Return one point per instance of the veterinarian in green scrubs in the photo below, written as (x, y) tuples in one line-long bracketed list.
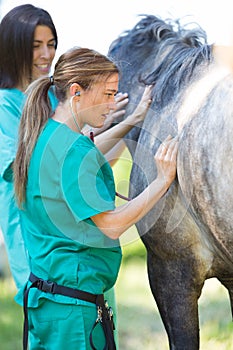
[(64, 244)]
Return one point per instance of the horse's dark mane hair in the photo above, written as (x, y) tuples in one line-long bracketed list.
[(180, 66), (178, 51), (165, 53), (147, 30), (180, 59)]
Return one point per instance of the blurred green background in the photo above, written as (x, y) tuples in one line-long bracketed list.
[(139, 323)]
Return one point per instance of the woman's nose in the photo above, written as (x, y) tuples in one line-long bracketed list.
[(45, 52)]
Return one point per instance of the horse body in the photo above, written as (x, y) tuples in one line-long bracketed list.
[(207, 136), (189, 233)]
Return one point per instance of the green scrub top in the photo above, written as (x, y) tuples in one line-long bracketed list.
[(69, 181), (11, 104)]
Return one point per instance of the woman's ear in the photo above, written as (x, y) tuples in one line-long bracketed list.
[(75, 89)]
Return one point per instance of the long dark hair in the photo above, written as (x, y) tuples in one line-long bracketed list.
[(16, 43)]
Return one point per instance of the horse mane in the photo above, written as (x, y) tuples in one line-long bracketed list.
[(150, 30), (180, 60), (176, 52), (144, 31)]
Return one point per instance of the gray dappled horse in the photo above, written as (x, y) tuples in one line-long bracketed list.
[(189, 233)]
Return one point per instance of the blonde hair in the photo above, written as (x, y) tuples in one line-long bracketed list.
[(78, 65)]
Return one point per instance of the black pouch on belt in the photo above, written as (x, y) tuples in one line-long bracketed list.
[(105, 318)]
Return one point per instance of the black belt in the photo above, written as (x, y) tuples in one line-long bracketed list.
[(105, 315), (54, 288)]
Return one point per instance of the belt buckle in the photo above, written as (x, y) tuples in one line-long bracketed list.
[(46, 286)]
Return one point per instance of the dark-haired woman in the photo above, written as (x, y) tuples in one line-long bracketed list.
[(28, 42)]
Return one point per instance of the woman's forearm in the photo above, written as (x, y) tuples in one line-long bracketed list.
[(109, 138), (114, 154), (115, 222)]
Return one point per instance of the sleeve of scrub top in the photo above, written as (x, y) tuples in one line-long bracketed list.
[(87, 182), (7, 147), (10, 112)]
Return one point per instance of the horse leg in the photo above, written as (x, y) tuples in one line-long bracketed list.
[(176, 295)]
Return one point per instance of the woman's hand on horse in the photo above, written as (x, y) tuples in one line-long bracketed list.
[(121, 100), (142, 108), (165, 159)]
